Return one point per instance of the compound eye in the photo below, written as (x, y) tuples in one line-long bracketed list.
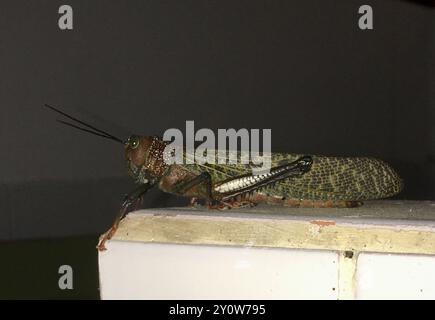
[(133, 142)]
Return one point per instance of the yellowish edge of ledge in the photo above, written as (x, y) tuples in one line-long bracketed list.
[(297, 234)]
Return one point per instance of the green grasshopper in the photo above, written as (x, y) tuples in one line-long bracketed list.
[(294, 180)]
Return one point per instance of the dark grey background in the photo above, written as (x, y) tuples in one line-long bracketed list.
[(302, 68)]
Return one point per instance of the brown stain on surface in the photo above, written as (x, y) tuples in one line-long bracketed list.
[(323, 223)]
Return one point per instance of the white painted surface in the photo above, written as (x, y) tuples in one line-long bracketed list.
[(394, 276), (346, 276), (130, 270)]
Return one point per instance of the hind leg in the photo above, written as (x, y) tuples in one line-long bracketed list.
[(234, 203), (299, 203), (322, 203)]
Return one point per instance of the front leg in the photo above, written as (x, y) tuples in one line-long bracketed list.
[(130, 200), (182, 182), (201, 184)]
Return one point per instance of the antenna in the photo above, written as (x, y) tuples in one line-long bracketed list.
[(87, 127)]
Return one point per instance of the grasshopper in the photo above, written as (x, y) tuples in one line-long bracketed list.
[(294, 180)]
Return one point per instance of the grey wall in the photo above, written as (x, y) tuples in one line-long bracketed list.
[(302, 68)]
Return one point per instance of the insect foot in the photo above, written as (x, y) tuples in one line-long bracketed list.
[(218, 205)]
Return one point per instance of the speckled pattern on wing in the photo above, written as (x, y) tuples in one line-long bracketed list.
[(330, 178)]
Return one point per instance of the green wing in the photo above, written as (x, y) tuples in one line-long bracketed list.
[(330, 178)]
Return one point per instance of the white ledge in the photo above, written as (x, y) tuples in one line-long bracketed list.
[(378, 226), (382, 250)]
